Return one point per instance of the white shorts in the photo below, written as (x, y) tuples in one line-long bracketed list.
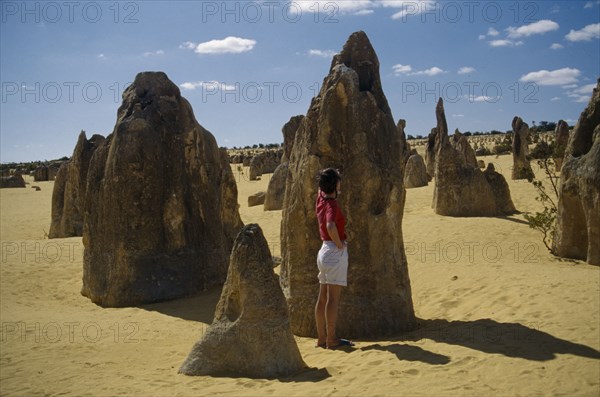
[(333, 264)]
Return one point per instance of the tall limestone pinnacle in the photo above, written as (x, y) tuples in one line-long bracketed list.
[(68, 194), (561, 136), (349, 126), (359, 55), (160, 212), (578, 219), (520, 150)]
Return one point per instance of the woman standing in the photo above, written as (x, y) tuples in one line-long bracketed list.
[(332, 259)]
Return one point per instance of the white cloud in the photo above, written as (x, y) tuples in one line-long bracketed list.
[(407, 70), (433, 71), (483, 98), (101, 56), (151, 53), (229, 45), (192, 85), (458, 115), (556, 46), (401, 69), (327, 7), (505, 43), (581, 94), (363, 12), (466, 70), (589, 88), (188, 45), (580, 98), (586, 89), (569, 86), (586, 34), (400, 14), (492, 32), (539, 27), (555, 77), (207, 85), (590, 4), (321, 53), (555, 99)]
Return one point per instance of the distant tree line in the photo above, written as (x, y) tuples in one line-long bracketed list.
[(259, 146), (546, 126), (30, 165), (467, 133), (542, 126)]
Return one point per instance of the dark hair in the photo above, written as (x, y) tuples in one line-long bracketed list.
[(328, 179)]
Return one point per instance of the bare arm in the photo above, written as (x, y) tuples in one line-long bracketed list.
[(334, 235)]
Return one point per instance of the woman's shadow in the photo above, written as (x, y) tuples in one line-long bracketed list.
[(411, 353), (490, 336)]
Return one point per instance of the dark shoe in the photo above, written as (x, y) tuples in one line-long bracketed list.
[(341, 343)]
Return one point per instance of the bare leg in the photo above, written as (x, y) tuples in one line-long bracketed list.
[(320, 315), (331, 312)]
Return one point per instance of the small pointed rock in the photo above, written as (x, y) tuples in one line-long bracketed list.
[(250, 335)]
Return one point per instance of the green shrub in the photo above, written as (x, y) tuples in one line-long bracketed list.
[(502, 148)]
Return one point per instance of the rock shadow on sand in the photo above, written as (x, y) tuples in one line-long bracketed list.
[(411, 353), (307, 375), (199, 308), (508, 339), (513, 218)]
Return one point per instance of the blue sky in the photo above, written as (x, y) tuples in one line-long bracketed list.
[(247, 67)]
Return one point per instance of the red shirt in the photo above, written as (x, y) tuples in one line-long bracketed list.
[(328, 210)]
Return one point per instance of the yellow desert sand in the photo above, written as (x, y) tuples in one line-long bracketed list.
[(498, 315)]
